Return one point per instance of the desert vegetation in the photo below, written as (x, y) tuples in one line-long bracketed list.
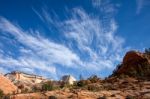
[(4, 96)]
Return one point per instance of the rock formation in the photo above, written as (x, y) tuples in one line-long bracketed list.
[(21, 76), (7, 86), (24, 81), (68, 79), (135, 64)]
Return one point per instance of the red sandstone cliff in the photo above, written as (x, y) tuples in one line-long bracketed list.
[(135, 64)]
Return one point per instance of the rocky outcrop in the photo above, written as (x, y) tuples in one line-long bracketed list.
[(24, 77), (68, 79), (7, 86), (24, 81), (135, 64), (133, 57)]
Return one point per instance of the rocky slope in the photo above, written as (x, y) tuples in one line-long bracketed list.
[(128, 88), (7, 86)]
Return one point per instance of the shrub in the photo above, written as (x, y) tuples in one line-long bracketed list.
[(117, 68), (52, 97), (21, 86), (82, 83), (47, 87), (36, 89), (103, 97), (25, 90), (6, 97), (94, 87), (94, 79), (1, 94), (109, 86), (129, 97), (122, 76), (67, 85)]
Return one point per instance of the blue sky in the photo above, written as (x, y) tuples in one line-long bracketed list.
[(57, 37)]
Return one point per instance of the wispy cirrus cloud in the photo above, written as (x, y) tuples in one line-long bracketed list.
[(141, 4), (92, 35), (90, 43), (96, 3), (37, 52), (106, 7), (94, 39)]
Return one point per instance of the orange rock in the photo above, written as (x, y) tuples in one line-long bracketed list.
[(133, 56), (7, 86), (133, 63)]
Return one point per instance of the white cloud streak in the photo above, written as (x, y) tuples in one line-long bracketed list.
[(99, 47), (97, 3), (141, 4), (93, 36), (39, 52), (94, 39)]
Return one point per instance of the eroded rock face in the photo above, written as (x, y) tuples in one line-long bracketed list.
[(133, 56), (7, 86), (25, 77), (134, 64)]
